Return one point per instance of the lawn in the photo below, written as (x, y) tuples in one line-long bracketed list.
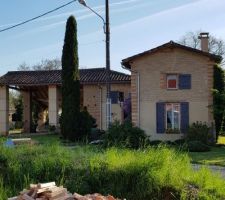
[(46, 139), (214, 157)]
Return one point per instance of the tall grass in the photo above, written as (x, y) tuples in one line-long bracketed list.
[(153, 173)]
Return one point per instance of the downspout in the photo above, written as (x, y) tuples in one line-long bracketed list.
[(138, 91), (100, 96)]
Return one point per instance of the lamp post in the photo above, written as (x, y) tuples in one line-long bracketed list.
[(107, 49)]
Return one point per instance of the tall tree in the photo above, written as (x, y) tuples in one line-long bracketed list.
[(70, 83), (219, 99)]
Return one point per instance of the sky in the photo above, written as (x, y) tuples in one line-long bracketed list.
[(136, 26)]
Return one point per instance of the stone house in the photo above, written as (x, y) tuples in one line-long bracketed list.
[(44, 87), (171, 88)]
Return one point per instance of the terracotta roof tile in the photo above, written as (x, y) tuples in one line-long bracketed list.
[(87, 76), (171, 44)]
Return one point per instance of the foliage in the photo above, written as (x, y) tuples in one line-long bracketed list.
[(86, 123), (70, 117), (156, 142), (199, 131), (180, 141), (219, 99), (197, 146), (125, 135), (34, 111), (123, 173), (46, 64), (16, 102), (173, 131)]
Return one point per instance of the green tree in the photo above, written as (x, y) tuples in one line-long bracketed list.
[(219, 98), (70, 83)]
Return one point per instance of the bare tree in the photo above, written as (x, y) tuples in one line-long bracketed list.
[(24, 67), (43, 65), (216, 45)]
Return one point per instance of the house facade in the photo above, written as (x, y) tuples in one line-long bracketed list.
[(171, 88), (44, 88)]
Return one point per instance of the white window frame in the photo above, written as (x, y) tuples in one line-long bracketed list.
[(168, 78), (179, 118)]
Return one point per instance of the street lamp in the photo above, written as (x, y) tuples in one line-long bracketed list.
[(107, 45)]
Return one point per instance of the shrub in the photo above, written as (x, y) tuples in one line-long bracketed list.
[(197, 146), (180, 142), (52, 128), (156, 142), (86, 122), (198, 131), (125, 135)]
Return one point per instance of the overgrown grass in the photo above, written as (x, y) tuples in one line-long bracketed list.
[(153, 173)]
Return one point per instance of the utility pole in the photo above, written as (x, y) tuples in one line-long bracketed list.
[(107, 55), (108, 85)]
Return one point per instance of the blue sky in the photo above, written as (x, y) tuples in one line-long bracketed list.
[(136, 26)]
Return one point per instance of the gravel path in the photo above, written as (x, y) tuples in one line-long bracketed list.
[(213, 168)]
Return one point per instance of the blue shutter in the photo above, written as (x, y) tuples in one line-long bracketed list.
[(114, 97), (184, 108), (160, 117), (185, 81)]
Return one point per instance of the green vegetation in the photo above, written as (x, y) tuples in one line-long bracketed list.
[(199, 131), (130, 174), (70, 117), (221, 140), (219, 99), (46, 139), (214, 157), (125, 135)]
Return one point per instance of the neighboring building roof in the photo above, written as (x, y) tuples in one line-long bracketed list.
[(171, 44), (53, 77)]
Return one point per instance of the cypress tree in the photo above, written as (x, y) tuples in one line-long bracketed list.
[(70, 83)]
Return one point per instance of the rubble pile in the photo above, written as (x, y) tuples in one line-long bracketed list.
[(49, 191)]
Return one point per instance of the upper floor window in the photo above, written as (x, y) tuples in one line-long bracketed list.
[(172, 81)]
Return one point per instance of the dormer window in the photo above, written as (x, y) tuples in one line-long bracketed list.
[(172, 81)]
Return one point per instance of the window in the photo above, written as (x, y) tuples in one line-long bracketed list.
[(172, 116), (172, 81), (116, 97)]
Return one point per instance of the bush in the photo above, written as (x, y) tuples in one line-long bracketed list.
[(125, 135), (180, 142), (199, 131), (52, 128), (156, 142), (197, 146)]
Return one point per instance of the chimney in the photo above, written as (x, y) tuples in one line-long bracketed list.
[(204, 37)]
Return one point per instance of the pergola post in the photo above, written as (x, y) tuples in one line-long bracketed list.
[(27, 113), (53, 105), (4, 110)]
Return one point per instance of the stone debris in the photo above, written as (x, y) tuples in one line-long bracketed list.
[(49, 191)]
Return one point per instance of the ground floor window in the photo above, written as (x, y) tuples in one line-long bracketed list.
[(173, 116)]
